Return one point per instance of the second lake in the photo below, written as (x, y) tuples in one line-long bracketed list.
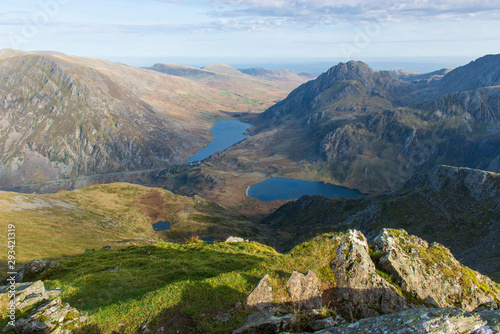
[(278, 188)]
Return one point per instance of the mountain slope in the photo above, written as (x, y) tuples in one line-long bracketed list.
[(64, 117), (457, 207), (117, 214)]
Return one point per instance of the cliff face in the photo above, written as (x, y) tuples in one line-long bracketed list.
[(457, 207), (60, 120)]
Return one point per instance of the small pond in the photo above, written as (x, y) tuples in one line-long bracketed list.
[(226, 133), (161, 226), (278, 188)]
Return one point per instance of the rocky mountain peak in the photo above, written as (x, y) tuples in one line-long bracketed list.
[(353, 79)]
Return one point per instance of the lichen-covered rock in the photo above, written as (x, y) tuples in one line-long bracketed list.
[(25, 294), (304, 290), (360, 291), (51, 317), (266, 321), (421, 321), (430, 272), (262, 296)]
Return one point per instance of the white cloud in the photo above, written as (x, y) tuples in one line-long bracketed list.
[(313, 12)]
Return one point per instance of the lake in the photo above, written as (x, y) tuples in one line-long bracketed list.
[(226, 133), (277, 188)]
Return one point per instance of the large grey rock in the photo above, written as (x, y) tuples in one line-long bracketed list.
[(304, 290), (25, 294), (262, 296), (421, 321), (51, 317), (430, 272), (360, 291), (266, 321)]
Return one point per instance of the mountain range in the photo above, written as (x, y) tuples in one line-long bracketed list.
[(371, 131)]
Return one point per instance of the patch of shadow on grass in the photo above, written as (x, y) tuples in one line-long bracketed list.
[(199, 309), (146, 269)]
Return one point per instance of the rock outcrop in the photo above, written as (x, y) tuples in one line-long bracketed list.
[(25, 295), (430, 272), (51, 317), (360, 291)]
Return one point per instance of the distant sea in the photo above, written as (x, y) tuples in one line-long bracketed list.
[(314, 66)]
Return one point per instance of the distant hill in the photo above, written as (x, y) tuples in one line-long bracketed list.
[(415, 77), (237, 84), (182, 71), (278, 75), (483, 72)]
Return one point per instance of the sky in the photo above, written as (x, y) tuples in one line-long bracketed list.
[(142, 32)]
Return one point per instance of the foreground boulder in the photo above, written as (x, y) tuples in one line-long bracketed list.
[(262, 296), (431, 273), (360, 291), (304, 290), (51, 317)]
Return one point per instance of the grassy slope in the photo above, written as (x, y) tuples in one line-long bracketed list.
[(66, 223), (168, 284)]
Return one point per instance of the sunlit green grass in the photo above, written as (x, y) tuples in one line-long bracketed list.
[(166, 282)]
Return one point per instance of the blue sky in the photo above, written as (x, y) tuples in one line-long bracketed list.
[(135, 31)]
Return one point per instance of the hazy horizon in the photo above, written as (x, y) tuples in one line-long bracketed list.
[(454, 32)]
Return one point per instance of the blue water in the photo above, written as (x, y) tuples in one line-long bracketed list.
[(280, 188), (226, 133), (161, 226)]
